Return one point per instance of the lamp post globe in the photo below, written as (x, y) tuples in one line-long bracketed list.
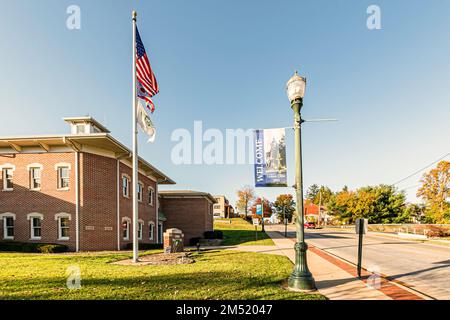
[(296, 87), (301, 278)]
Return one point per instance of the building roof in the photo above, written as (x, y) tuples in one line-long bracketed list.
[(185, 194), (86, 119), (78, 142)]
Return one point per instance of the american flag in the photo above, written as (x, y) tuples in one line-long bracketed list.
[(147, 86)]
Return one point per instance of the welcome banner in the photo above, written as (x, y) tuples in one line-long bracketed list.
[(270, 157)]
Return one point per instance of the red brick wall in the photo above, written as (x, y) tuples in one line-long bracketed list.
[(48, 201), (146, 211), (193, 216), (98, 200)]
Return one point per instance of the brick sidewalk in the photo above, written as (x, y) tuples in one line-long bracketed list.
[(337, 279)]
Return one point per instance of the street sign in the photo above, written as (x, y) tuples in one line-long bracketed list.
[(361, 229), (259, 209), (361, 222), (255, 222)]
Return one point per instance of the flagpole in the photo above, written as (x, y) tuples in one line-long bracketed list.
[(135, 150)]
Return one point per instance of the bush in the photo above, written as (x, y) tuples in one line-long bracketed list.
[(33, 247), (216, 234), (145, 246), (194, 241)]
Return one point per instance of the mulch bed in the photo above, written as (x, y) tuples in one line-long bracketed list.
[(159, 259)]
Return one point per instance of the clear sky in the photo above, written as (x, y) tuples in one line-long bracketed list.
[(226, 63)]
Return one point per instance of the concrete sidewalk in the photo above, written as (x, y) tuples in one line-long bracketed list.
[(335, 279)]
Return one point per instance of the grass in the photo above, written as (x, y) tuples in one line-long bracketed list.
[(241, 232), (216, 274)]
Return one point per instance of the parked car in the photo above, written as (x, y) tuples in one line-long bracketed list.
[(310, 225)]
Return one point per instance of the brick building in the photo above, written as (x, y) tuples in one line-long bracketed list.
[(223, 209), (76, 190), (190, 211)]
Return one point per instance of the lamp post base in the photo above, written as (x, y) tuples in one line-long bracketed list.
[(301, 278)]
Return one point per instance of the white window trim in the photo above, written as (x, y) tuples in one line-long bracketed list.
[(58, 217), (35, 166), (7, 166), (63, 164), (57, 167), (141, 224), (30, 217), (140, 183), (3, 216), (124, 175), (153, 197), (151, 225), (128, 221)]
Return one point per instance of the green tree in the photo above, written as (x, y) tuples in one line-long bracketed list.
[(435, 190), (286, 202), (312, 192), (378, 204)]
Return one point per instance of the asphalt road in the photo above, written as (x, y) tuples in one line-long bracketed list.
[(423, 267)]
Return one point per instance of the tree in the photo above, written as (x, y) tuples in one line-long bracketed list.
[(312, 193), (245, 197), (267, 208), (378, 204), (286, 202), (435, 190)]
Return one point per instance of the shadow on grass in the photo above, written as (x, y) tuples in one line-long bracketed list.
[(237, 237), (192, 286)]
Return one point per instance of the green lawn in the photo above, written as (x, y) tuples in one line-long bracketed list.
[(241, 232), (216, 274)]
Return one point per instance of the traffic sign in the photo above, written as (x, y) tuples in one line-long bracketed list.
[(259, 209)]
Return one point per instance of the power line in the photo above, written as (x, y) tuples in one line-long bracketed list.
[(420, 170)]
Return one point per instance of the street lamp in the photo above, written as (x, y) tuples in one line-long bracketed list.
[(301, 278)]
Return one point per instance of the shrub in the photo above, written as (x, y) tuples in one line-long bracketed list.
[(33, 247), (194, 241), (216, 234), (52, 248), (145, 246)]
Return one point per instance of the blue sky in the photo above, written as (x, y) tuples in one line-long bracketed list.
[(226, 63)]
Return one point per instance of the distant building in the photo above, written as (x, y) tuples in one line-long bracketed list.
[(312, 212), (223, 209)]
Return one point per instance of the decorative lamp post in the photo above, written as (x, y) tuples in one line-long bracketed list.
[(301, 278)]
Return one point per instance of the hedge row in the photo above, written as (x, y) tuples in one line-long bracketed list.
[(32, 247)]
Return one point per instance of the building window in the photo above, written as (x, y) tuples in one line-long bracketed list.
[(80, 128), (140, 191), (35, 228), (126, 229), (217, 206), (151, 196), (35, 178), (63, 177), (140, 228), (63, 226), (125, 186), (8, 179), (8, 227), (151, 234)]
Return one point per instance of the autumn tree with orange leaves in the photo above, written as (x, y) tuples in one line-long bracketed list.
[(435, 191)]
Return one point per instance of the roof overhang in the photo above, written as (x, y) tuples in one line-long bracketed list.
[(185, 194), (90, 143)]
